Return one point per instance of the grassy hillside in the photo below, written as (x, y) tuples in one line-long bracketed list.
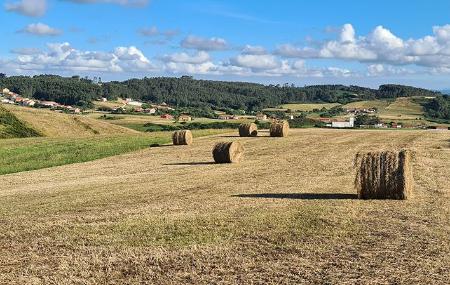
[(12, 127), (167, 215), (308, 107), (53, 124), (18, 155)]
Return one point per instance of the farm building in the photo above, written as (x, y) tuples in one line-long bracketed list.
[(134, 103), (150, 111), (184, 118), (166, 116), (261, 117), (226, 117), (396, 126), (344, 124)]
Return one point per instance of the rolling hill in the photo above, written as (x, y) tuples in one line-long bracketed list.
[(53, 124), (12, 127)]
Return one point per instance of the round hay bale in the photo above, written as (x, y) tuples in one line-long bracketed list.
[(248, 130), (228, 152), (183, 137), (279, 129), (384, 175)]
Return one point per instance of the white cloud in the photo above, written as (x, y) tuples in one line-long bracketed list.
[(155, 32), (257, 50), (387, 70), (32, 8), (288, 50), (40, 29), (198, 58), (199, 43), (255, 62), (135, 3), (63, 57), (149, 32), (380, 46)]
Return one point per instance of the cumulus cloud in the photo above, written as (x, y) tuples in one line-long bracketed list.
[(205, 44), (32, 8), (40, 29), (182, 57), (155, 32), (63, 57), (257, 50), (380, 46), (255, 62), (136, 3)]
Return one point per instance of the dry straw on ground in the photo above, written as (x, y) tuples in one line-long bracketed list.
[(279, 129), (384, 175), (248, 130), (183, 137), (228, 152)]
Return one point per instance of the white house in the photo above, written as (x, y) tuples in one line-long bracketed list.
[(344, 124), (134, 103)]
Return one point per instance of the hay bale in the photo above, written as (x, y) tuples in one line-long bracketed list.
[(279, 129), (384, 175), (228, 152), (248, 130), (183, 137)]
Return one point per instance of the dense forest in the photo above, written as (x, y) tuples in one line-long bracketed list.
[(438, 107), (188, 92)]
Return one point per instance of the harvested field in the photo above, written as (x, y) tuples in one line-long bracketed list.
[(286, 214), (53, 124)]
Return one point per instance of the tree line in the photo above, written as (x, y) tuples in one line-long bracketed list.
[(187, 92)]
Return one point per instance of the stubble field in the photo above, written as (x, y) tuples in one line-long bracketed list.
[(286, 214)]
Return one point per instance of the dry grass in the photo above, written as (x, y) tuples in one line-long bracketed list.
[(286, 214), (53, 124)]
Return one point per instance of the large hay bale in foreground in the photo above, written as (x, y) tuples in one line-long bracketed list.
[(248, 130), (183, 137), (384, 175), (228, 152), (279, 129)]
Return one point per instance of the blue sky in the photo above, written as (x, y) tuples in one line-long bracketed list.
[(301, 42)]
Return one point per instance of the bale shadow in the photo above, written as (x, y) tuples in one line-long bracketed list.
[(300, 196), (160, 145), (192, 163), (229, 136)]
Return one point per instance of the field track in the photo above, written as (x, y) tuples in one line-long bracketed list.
[(286, 214)]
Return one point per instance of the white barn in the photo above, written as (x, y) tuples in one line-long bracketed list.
[(345, 124)]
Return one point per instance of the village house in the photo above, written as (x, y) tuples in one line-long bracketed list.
[(184, 118), (396, 126), (134, 103), (150, 111), (261, 117), (326, 120), (343, 124), (28, 102), (225, 117), (167, 116), (49, 104)]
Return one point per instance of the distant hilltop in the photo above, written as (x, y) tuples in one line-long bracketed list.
[(188, 92)]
